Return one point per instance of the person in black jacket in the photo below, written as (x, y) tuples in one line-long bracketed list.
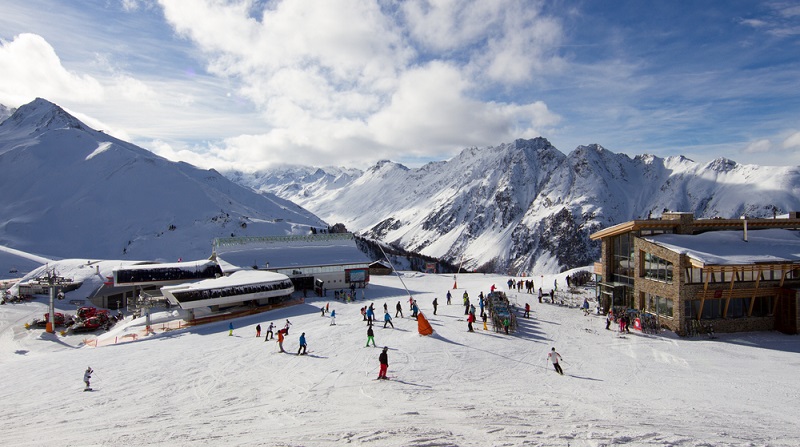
[(384, 359)]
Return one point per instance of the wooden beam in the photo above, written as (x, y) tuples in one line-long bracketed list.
[(755, 292), (730, 293)]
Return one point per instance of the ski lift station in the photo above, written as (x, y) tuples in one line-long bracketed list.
[(246, 270)]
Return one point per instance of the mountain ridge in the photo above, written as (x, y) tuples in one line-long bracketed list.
[(525, 206)]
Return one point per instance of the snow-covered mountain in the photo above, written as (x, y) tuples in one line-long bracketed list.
[(526, 206), (71, 191)]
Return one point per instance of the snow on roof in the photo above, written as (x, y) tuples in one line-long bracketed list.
[(188, 265), (294, 254), (239, 278), (730, 248)]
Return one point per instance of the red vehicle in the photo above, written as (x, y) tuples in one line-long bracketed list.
[(88, 325), (86, 312), (59, 319)]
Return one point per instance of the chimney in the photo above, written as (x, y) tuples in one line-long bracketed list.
[(744, 218)]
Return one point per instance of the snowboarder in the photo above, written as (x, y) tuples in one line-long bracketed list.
[(435, 305), (387, 319), (370, 337), (86, 377), (333, 317), (302, 344), (269, 332), (399, 310), (384, 360), (230, 328), (555, 357), (258, 331), (280, 340)]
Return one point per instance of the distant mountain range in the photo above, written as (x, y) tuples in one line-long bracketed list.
[(71, 191), (523, 207)]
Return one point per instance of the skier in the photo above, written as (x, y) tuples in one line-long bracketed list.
[(470, 320), (230, 328), (466, 303), (86, 377), (387, 319), (609, 318), (258, 331), (506, 325), (449, 296), (269, 332), (540, 294), (302, 344), (527, 313), (399, 310), (286, 328), (333, 317), (370, 314), (280, 340), (384, 359), (484, 316), (414, 310), (370, 337), (555, 357), (435, 305)]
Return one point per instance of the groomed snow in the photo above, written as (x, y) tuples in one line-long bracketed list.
[(201, 387)]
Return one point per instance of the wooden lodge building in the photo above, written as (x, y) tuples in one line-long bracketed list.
[(730, 274)]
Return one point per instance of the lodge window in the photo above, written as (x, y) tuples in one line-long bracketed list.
[(656, 268), (623, 258), (658, 305)]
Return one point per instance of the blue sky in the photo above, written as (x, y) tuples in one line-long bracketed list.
[(248, 84)]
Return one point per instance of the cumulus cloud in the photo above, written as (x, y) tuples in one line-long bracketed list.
[(30, 68), (349, 75)]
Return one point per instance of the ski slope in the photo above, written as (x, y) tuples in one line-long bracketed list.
[(201, 387)]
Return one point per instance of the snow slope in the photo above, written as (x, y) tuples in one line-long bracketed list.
[(198, 386), (72, 191)]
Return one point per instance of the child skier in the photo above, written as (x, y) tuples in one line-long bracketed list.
[(258, 331), (333, 317), (280, 340), (230, 328), (86, 377), (370, 337), (387, 319)]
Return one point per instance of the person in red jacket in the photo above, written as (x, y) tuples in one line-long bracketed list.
[(470, 320)]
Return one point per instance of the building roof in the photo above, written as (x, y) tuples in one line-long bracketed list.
[(729, 247), (289, 251)]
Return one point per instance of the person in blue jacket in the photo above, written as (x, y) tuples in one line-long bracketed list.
[(230, 328), (387, 319), (302, 344)]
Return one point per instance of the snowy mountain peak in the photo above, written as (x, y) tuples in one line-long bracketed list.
[(42, 115), (5, 112), (721, 164)]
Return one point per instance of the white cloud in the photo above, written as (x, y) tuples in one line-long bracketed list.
[(342, 77), (792, 141), (30, 68), (758, 146)]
